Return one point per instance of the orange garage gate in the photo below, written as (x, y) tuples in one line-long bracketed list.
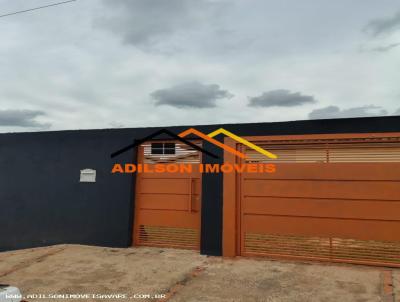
[(332, 198)]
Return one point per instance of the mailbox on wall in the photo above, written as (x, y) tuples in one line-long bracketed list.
[(88, 175)]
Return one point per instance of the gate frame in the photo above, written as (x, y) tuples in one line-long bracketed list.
[(231, 195)]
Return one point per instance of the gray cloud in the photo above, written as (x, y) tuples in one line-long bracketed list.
[(336, 112), (21, 118), (143, 23), (385, 48), (193, 94), (383, 25), (281, 98), (397, 112)]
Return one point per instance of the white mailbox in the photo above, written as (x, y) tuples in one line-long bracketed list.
[(88, 175)]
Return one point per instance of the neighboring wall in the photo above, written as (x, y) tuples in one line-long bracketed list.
[(42, 201)]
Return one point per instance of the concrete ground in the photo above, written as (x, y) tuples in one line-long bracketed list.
[(158, 274)]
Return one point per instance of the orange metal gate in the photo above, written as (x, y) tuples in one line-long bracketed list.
[(168, 204), (330, 199)]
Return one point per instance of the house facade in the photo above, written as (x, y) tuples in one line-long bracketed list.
[(332, 192)]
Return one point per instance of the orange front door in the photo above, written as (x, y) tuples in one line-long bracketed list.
[(168, 204)]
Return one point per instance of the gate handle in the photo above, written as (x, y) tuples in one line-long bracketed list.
[(191, 181)]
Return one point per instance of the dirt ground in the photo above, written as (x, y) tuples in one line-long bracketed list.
[(157, 274)]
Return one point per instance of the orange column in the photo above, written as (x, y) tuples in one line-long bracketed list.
[(229, 205)]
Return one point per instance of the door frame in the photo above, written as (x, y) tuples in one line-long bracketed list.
[(231, 236)]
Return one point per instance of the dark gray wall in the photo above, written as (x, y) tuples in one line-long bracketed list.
[(43, 203)]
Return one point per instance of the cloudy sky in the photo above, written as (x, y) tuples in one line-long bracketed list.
[(134, 63)]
